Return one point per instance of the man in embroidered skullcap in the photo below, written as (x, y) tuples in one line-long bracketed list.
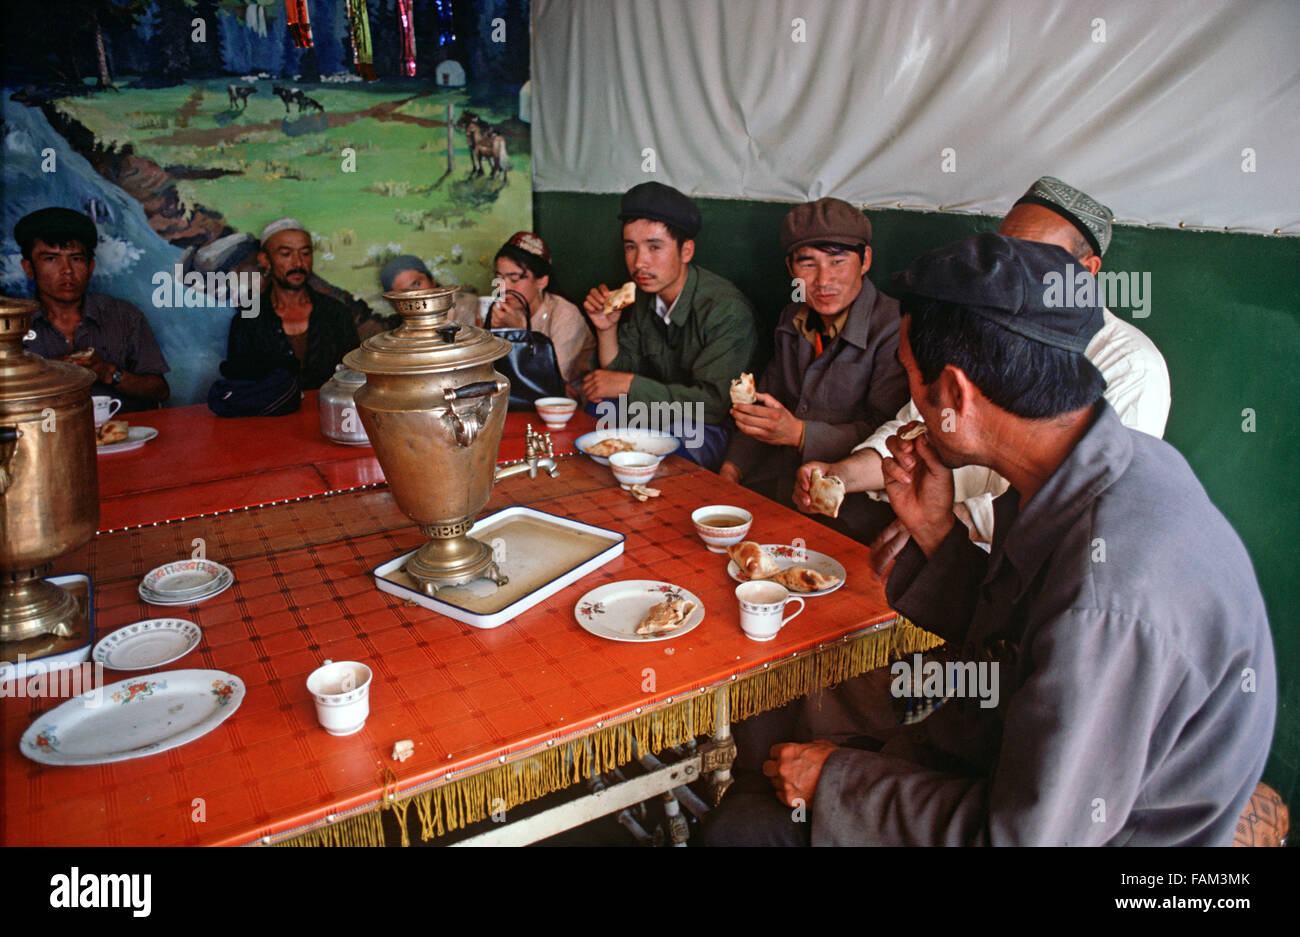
[(1113, 679), (297, 328)]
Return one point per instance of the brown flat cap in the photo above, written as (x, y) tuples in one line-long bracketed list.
[(825, 220)]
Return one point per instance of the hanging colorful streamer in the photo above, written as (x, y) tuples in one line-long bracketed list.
[(359, 28), (406, 20), (299, 23)]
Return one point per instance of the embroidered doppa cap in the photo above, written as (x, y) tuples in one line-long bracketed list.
[(281, 224), (1023, 286), (400, 264), (530, 243), (660, 202), (827, 220), (1091, 217), (56, 226)]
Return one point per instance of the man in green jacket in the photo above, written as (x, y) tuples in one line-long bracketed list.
[(667, 361)]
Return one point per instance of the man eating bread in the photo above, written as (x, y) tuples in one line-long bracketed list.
[(687, 332), (834, 376)]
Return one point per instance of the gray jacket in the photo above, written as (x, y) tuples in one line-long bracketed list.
[(1136, 674), (842, 395)]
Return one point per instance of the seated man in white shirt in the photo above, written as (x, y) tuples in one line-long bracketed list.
[(1137, 379)]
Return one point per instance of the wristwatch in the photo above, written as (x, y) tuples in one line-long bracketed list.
[(118, 374)]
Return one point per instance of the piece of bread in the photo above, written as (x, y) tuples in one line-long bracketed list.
[(754, 562), (826, 493), (804, 579), (607, 447), (112, 431), (620, 298), (920, 429), (642, 493), (666, 616), (743, 390)]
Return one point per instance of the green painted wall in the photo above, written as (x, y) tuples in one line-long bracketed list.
[(1225, 311)]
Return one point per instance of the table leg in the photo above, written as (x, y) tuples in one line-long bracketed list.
[(719, 756)]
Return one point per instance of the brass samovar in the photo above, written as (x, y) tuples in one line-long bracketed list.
[(434, 407), (49, 490)]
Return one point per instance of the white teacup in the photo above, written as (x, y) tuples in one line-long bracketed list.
[(342, 694), (105, 407), (761, 606), (555, 411)]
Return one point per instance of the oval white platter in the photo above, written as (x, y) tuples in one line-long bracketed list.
[(136, 437), (223, 582), (184, 578), (787, 556), (614, 610), (147, 644), (646, 440), (133, 718)]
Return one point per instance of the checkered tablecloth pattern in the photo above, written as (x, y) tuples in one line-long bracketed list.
[(467, 697)]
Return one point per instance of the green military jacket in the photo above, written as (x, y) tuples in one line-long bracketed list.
[(708, 341)]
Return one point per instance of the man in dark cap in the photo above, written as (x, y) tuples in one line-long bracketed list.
[(835, 375), (1117, 626), (106, 336), (689, 333), (1137, 379)]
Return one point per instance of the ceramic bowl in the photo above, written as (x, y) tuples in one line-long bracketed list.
[(718, 537), (555, 411), (634, 468), (342, 694)]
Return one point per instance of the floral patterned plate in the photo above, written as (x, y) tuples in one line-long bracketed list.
[(613, 611), (787, 556), (147, 644), (133, 718)]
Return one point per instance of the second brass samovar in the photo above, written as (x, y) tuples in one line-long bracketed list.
[(434, 408)]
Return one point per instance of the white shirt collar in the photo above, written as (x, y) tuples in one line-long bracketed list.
[(662, 309)]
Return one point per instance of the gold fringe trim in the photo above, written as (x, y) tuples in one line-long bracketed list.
[(460, 802)]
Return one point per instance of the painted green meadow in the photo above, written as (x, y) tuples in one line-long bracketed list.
[(368, 177)]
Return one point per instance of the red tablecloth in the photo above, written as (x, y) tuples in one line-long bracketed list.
[(201, 464), (467, 697)]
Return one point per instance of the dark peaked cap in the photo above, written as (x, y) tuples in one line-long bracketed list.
[(660, 202), (1006, 280)]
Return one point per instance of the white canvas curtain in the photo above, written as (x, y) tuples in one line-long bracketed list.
[(1158, 108)]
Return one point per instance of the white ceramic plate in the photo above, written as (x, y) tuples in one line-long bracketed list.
[(136, 437), (787, 556), (220, 585), (147, 644), (647, 440), (133, 718), (613, 611), (184, 578)]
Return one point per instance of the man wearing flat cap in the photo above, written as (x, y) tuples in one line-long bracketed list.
[(1137, 379), (835, 375), (106, 336), (298, 329), (1124, 681), (689, 333)]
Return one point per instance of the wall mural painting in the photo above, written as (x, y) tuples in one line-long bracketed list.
[(182, 127)]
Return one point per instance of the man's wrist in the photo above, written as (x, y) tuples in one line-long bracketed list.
[(930, 538)]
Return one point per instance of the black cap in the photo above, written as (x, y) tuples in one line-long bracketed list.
[(660, 202), (56, 226), (1035, 290)]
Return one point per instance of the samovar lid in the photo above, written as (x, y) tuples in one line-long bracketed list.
[(426, 340), (27, 379)]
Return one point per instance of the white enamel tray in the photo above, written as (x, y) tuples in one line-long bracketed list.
[(133, 718), (614, 610), (136, 436), (147, 644), (787, 556)]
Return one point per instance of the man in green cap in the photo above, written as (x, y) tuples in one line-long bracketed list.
[(683, 340)]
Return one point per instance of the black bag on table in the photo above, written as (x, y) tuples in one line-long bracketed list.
[(274, 395), (531, 365)]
